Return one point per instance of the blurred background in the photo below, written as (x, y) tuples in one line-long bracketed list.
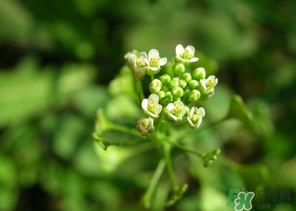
[(57, 58)]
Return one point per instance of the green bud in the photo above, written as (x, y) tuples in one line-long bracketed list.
[(193, 84), (165, 78), (194, 95), (161, 94), (187, 93), (187, 77), (199, 73), (178, 68), (166, 88), (177, 92), (174, 82), (182, 84), (155, 86), (169, 95)]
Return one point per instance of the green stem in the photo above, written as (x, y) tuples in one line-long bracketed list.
[(140, 91), (185, 148), (167, 154), (153, 183), (152, 77), (124, 129)]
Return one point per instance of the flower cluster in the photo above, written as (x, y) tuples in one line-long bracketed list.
[(172, 92)]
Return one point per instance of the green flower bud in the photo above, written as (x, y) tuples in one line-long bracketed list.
[(161, 94), (193, 84), (165, 101), (194, 95), (187, 77), (182, 84), (155, 86), (165, 78), (187, 93), (177, 92), (169, 95), (199, 73), (178, 68), (165, 88), (174, 82)]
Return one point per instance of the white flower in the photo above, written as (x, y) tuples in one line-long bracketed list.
[(154, 62), (145, 126), (195, 116), (185, 55), (151, 106), (176, 110), (209, 84), (140, 67)]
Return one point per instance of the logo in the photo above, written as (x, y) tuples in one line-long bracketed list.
[(242, 199)]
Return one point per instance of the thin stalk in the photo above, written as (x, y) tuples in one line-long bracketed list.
[(167, 154), (153, 183), (185, 148), (125, 129), (152, 77)]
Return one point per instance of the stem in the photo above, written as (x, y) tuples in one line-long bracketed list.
[(167, 154), (140, 92), (185, 148), (124, 129), (153, 183), (152, 77)]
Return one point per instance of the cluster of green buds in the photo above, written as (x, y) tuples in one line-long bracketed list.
[(174, 94)]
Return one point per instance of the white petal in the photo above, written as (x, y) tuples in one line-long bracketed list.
[(144, 55), (211, 77), (154, 98), (152, 114), (198, 123), (158, 109), (170, 107), (192, 111), (173, 116), (145, 104), (153, 68), (153, 53), (191, 49), (201, 112), (180, 104), (216, 81), (162, 61), (190, 123), (194, 59), (203, 83), (182, 114), (146, 61), (179, 49)]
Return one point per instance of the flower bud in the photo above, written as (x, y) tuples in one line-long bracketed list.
[(145, 126), (161, 94), (177, 92), (178, 68), (194, 95), (193, 84), (174, 82), (169, 95), (155, 86), (187, 77), (199, 73), (165, 78), (187, 93), (182, 84)]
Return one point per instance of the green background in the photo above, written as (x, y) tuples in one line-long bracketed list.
[(56, 60)]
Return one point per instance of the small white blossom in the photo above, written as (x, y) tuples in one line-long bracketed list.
[(145, 126), (136, 62), (209, 84), (185, 55), (151, 106), (154, 62), (176, 110), (195, 117)]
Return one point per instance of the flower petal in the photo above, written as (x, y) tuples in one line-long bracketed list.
[(203, 83), (180, 104), (154, 98), (179, 49), (170, 107), (173, 116), (158, 109), (194, 59), (145, 104), (153, 53), (191, 49), (192, 111), (153, 68), (201, 112), (162, 61)]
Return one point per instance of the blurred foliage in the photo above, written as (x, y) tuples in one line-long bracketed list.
[(56, 58)]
